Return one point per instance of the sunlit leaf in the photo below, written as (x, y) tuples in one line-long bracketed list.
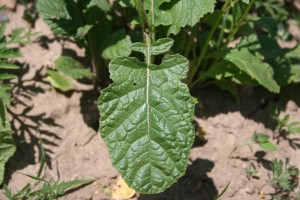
[(59, 81), (146, 121)]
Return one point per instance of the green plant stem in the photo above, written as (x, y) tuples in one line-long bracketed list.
[(189, 43), (142, 15), (238, 25), (93, 49), (205, 46), (94, 56), (221, 34)]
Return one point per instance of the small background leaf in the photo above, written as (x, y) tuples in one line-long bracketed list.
[(116, 45), (71, 67), (7, 146), (254, 66), (59, 81)]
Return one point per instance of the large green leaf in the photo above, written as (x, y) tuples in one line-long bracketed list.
[(146, 120), (254, 66), (7, 146), (72, 68)]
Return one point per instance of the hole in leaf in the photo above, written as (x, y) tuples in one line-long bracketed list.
[(134, 84)]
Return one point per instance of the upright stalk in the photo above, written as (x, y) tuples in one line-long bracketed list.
[(238, 25), (142, 15), (205, 46), (93, 49)]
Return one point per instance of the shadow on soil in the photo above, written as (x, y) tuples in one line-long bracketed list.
[(29, 128), (253, 103), (194, 185)]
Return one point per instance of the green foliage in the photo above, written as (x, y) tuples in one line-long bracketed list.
[(7, 146), (284, 178), (49, 190), (68, 69), (284, 127), (59, 81), (144, 97), (117, 45), (263, 141), (253, 66), (158, 47), (151, 150), (42, 189)]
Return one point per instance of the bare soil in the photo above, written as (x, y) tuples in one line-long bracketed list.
[(68, 122)]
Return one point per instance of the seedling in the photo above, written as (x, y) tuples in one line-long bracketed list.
[(251, 171), (284, 127), (284, 179), (262, 140), (44, 189)]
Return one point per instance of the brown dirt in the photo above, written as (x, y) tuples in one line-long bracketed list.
[(67, 123)]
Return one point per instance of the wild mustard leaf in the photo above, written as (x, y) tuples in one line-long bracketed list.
[(116, 45), (185, 12), (158, 47), (7, 146), (146, 121), (71, 67), (254, 66)]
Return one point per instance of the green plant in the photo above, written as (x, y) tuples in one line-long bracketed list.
[(146, 113), (43, 189), (284, 127), (48, 191), (263, 141), (18, 36), (284, 179)]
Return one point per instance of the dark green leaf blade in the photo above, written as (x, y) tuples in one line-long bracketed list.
[(254, 66), (146, 121)]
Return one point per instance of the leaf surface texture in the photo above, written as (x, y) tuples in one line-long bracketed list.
[(146, 121)]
